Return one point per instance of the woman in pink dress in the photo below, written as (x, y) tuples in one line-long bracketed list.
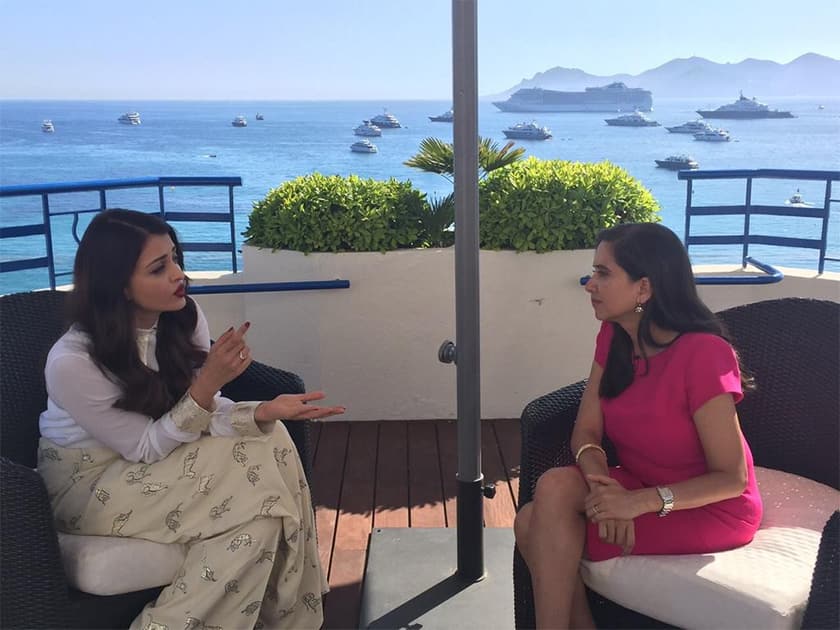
[(663, 387)]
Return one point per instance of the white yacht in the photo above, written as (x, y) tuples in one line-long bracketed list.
[(367, 128), (130, 118), (692, 127), (796, 199), (678, 162), (713, 135), (239, 121), (47, 126), (527, 131), (636, 119), (363, 146), (447, 116), (386, 121)]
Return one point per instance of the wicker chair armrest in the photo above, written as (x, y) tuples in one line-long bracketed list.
[(264, 382), (823, 610), (33, 588), (546, 427)]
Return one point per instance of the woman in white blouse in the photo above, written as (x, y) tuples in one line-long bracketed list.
[(138, 442)]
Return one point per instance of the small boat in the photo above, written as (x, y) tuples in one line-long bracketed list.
[(527, 131), (239, 121), (386, 121), (678, 162), (447, 116), (259, 116), (363, 146), (796, 199), (367, 128), (713, 135), (820, 106), (636, 119), (47, 126), (130, 118), (692, 127)]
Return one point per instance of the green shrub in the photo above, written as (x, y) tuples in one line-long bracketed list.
[(330, 213), (540, 205)]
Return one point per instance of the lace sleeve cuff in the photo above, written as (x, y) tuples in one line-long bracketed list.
[(242, 420), (187, 415)]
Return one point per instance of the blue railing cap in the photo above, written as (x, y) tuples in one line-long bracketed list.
[(97, 184), (766, 173)]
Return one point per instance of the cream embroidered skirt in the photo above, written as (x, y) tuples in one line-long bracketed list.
[(242, 506)]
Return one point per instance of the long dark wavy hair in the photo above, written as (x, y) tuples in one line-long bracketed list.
[(652, 251), (105, 261)]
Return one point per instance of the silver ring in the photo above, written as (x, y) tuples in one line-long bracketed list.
[(242, 356)]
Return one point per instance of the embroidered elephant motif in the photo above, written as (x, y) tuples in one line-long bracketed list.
[(173, 518), (189, 461), (218, 510), (239, 455), (252, 476), (243, 540), (119, 522)]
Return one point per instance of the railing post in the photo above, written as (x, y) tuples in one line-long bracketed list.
[(232, 229), (45, 209), (824, 235), (688, 193), (745, 248)]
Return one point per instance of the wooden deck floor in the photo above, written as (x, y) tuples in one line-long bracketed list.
[(396, 474)]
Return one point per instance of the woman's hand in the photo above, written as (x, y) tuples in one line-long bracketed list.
[(227, 359), (608, 500), (294, 407), (618, 532)]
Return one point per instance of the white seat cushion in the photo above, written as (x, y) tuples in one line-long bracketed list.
[(108, 565), (763, 585)]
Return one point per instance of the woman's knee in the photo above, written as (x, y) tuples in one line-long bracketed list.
[(521, 524), (565, 485)]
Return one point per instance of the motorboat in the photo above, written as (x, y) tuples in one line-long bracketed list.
[(363, 146), (47, 126), (692, 127), (130, 118), (744, 108), (447, 116), (527, 131), (386, 120), (367, 128), (713, 135), (259, 116), (796, 199), (239, 121), (636, 119), (678, 162)]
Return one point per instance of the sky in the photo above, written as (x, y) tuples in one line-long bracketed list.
[(373, 49)]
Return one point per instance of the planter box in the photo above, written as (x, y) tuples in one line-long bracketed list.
[(373, 347)]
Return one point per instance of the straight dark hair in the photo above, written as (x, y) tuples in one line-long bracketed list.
[(98, 304), (652, 251)]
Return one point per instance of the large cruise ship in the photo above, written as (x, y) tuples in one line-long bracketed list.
[(615, 97)]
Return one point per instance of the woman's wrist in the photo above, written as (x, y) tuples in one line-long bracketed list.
[(649, 499)]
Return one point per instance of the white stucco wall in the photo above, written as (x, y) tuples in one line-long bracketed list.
[(373, 347)]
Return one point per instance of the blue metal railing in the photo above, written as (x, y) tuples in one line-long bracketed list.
[(102, 187), (748, 210), (161, 183)]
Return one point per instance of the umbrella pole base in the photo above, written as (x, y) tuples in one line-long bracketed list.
[(411, 581)]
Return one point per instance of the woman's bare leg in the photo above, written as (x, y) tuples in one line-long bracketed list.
[(550, 534)]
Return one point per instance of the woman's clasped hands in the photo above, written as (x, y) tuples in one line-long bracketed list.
[(613, 508)]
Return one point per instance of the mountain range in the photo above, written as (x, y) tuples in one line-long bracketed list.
[(809, 75)]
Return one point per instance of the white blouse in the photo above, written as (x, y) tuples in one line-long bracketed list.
[(80, 405)]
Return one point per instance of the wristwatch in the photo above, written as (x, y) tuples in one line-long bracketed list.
[(667, 500)]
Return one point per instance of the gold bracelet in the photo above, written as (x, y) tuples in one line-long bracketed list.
[(586, 446)]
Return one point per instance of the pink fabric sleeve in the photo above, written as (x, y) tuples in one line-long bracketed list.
[(602, 343), (712, 370)]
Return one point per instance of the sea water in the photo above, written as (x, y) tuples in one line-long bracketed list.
[(196, 138)]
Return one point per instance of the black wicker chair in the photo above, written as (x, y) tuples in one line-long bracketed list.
[(33, 589), (791, 422)]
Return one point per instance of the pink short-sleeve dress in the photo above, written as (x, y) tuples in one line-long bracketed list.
[(657, 444)]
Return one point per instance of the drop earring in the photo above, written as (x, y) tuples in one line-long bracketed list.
[(639, 308)]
